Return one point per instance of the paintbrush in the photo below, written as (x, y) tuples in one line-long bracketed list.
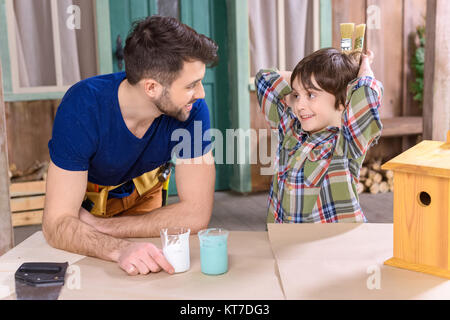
[(347, 30), (359, 42)]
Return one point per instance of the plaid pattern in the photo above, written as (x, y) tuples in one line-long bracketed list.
[(317, 173)]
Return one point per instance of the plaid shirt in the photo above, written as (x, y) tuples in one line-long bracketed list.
[(317, 173)]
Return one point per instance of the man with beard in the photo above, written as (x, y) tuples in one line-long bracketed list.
[(111, 137)]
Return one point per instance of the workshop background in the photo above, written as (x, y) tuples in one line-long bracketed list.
[(48, 45)]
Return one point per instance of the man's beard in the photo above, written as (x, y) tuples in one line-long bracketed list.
[(167, 107)]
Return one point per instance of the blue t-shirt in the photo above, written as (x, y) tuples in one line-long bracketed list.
[(89, 133)]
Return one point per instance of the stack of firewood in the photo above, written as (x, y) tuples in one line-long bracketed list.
[(374, 180), (37, 171)]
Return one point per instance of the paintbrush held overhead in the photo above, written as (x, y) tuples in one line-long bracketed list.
[(347, 30), (359, 37), (359, 42)]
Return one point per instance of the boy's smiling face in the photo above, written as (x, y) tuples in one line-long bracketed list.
[(314, 107)]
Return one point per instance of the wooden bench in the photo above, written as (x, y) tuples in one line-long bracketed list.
[(402, 126), (27, 202)]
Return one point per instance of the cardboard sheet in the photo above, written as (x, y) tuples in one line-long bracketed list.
[(345, 261), (252, 274), (302, 261)]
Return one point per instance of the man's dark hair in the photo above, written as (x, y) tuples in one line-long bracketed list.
[(157, 48), (332, 71)]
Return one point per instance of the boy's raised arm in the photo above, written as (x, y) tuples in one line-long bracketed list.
[(271, 88), (361, 120)]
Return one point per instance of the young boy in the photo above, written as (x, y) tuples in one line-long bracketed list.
[(327, 118)]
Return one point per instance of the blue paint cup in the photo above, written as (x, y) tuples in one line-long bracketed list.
[(213, 251)]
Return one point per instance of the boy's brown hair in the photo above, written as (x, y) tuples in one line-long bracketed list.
[(332, 71), (157, 47)]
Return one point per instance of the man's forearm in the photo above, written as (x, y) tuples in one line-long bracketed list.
[(71, 234), (179, 214)]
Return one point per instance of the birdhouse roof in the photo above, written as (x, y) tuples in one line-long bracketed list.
[(427, 158)]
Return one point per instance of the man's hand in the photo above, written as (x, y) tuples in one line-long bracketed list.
[(67, 227), (134, 258), (366, 60), (142, 258)]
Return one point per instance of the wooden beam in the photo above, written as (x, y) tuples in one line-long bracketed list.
[(326, 24), (436, 111), (6, 229), (22, 189), (103, 37), (430, 36), (281, 31), (401, 126), (29, 218), (316, 24), (384, 37), (4, 50), (239, 72), (414, 12), (27, 203)]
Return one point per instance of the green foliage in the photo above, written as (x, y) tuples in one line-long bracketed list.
[(417, 65)]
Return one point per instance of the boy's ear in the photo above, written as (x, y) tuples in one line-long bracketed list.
[(341, 107)]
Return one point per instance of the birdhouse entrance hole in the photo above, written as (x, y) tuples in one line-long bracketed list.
[(424, 199)]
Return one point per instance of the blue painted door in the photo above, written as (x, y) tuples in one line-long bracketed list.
[(205, 16)]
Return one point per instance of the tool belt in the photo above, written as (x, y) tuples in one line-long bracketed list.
[(96, 196)]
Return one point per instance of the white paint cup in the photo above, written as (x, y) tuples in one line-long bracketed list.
[(175, 245)]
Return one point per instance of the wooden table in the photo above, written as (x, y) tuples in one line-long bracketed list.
[(346, 261), (295, 261), (251, 274)]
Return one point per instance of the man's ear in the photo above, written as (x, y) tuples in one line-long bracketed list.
[(152, 88)]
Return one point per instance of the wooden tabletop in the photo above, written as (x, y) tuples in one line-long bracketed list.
[(346, 261), (251, 275), (290, 261)]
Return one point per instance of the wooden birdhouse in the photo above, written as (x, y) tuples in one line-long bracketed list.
[(422, 208)]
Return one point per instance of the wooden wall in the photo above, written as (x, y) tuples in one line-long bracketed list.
[(393, 45), (6, 229), (414, 15), (29, 128), (437, 72), (29, 124), (260, 182)]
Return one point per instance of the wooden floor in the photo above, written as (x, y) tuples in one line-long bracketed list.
[(235, 211), (238, 212)]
